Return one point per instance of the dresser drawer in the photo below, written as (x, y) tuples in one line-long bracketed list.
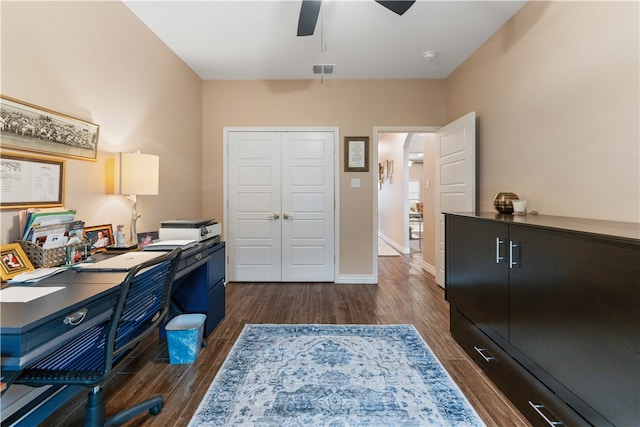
[(536, 402)]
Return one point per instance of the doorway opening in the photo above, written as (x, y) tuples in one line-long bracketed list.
[(405, 200)]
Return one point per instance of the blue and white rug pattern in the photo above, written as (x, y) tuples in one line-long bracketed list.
[(333, 376)]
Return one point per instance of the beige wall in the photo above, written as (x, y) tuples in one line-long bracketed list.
[(556, 93), (354, 106), (98, 62), (556, 96)]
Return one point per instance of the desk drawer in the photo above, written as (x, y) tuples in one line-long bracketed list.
[(34, 343), (217, 264), (192, 258), (217, 303)]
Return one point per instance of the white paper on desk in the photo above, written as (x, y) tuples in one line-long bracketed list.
[(169, 245), (36, 275), (25, 294), (122, 262)]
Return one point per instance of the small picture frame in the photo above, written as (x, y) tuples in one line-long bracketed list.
[(147, 238), (99, 237), (13, 261), (356, 154), (77, 253)]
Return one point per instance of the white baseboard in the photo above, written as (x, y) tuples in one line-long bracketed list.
[(357, 279), (397, 246), (429, 268)]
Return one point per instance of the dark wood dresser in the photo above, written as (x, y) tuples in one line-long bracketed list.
[(549, 308)]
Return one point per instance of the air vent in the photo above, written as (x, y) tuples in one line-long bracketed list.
[(323, 68)]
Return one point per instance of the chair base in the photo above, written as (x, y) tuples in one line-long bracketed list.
[(95, 412)]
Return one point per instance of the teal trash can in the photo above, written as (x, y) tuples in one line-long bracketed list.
[(184, 338)]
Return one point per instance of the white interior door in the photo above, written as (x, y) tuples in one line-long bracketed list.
[(281, 207), (254, 235), (455, 177), (307, 207)]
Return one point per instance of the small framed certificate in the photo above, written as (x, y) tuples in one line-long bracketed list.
[(31, 181), (356, 154)]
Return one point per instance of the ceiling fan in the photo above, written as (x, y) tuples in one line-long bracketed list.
[(310, 9)]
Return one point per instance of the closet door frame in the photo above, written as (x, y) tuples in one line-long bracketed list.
[(336, 181)]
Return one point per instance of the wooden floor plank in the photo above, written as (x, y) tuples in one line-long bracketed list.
[(405, 294)]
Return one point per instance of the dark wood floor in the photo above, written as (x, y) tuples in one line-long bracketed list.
[(405, 295)]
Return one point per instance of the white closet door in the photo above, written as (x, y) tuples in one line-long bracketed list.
[(254, 235), (281, 206), (307, 207)]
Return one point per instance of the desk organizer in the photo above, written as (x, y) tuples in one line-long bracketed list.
[(53, 257)]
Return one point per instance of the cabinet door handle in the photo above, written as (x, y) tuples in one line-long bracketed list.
[(287, 216), (512, 263), (498, 243), (274, 216), (481, 352), (538, 407)]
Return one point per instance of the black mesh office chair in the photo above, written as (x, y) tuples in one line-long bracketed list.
[(142, 304)]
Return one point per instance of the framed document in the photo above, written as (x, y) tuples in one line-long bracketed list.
[(31, 181), (356, 154)]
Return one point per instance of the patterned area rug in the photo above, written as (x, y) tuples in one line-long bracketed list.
[(333, 376)]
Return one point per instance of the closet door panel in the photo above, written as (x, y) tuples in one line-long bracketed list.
[(254, 179), (307, 207)]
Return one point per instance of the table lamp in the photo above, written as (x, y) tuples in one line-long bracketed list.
[(136, 174)]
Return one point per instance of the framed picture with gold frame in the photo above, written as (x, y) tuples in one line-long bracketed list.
[(33, 128), (13, 261), (31, 181), (356, 154), (99, 237)]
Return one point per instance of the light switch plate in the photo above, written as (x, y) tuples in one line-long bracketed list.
[(355, 182)]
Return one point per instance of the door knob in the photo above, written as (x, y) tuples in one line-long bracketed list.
[(274, 216), (287, 216)]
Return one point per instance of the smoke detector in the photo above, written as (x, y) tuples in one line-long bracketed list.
[(429, 55)]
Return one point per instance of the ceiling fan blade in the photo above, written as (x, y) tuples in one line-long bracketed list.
[(309, 11), (399, 7)]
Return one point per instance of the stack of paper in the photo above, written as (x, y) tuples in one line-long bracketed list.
[(35, 275), (169, 245), (51, 228)]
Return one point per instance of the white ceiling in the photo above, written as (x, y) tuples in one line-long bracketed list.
[(254, 40)]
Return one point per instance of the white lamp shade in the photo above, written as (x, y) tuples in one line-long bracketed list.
[(137, 173)]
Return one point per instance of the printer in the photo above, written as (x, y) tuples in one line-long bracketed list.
[(189, 229)]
